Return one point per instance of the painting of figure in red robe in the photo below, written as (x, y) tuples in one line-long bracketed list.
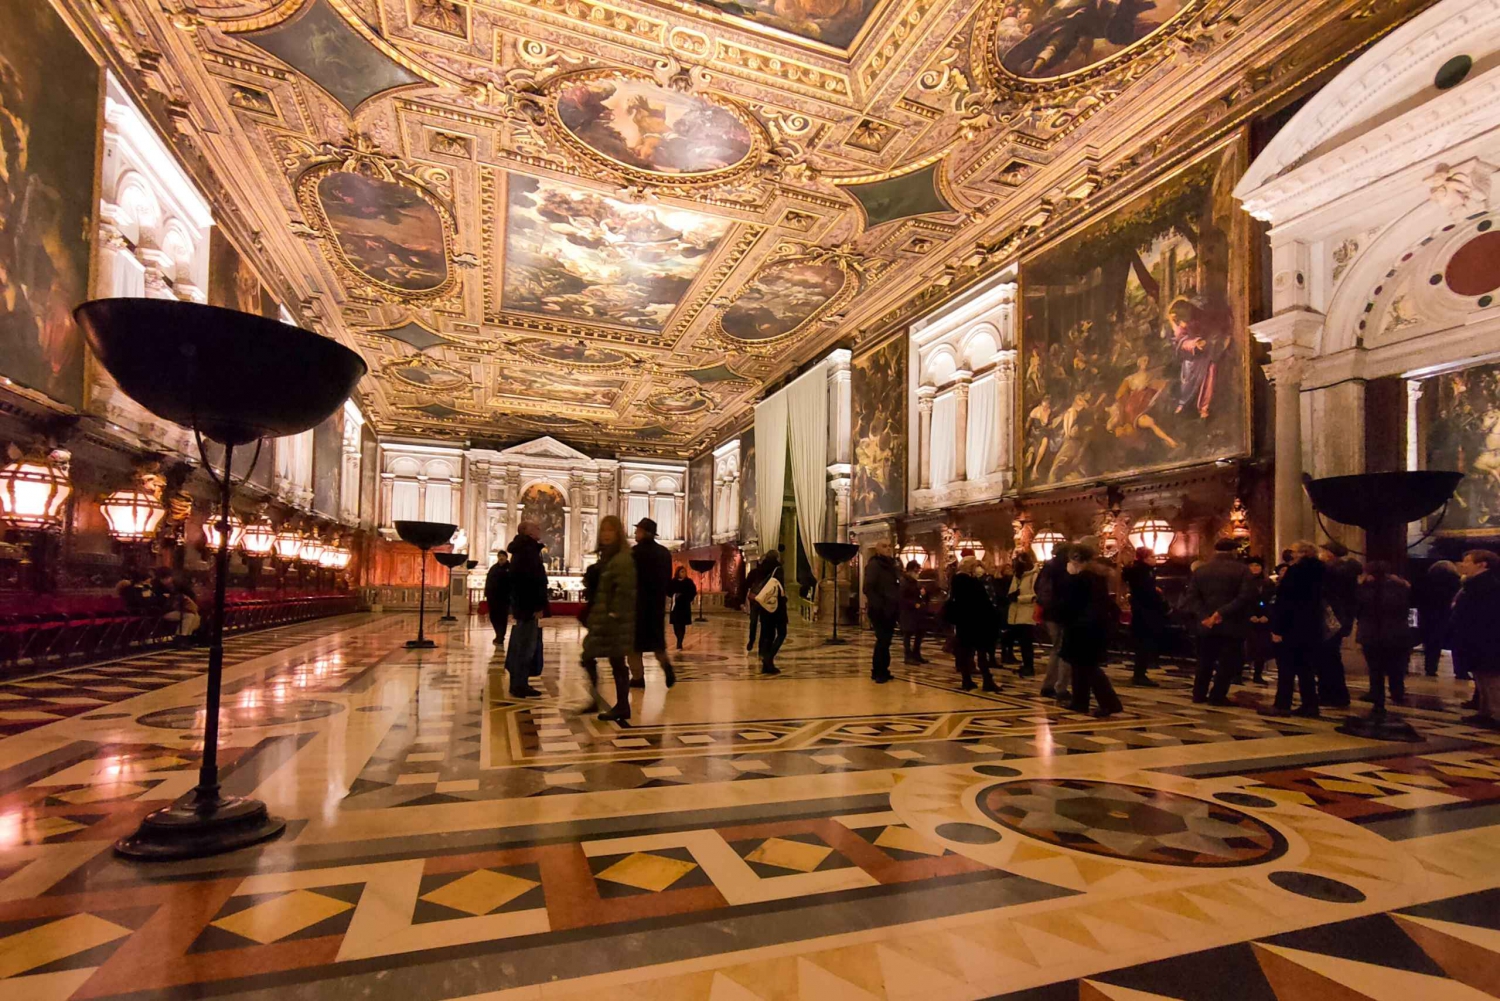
[(1134, 350)]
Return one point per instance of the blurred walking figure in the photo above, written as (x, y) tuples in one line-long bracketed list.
[(1435, 592), (497, 595), (882, 592), (1259, 647), (612, 615), (683, 592), (1051, 585), (1021, 612), (969, 611), (1148, 615), (914, 613), (1088, 613), (653, 575), (1299, 621), (773, 614), (1383, 603)]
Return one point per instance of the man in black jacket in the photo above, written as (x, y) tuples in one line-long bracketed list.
[(1341, 591), (653, 578), (883, 605), (497, 595), (528, 602), (1297, 625), (1221, 593), (1473, 630)]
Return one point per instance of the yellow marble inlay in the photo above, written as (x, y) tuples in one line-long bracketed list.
[(647, 872), (904, 839), (102, 793), (480, 892), (56, 940), (1353, 788), (785, 854), (51, 827), (285, 915)]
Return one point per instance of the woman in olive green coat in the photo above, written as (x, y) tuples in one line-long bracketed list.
[(611, 618)]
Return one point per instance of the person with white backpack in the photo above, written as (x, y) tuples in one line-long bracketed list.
[(773, 618)]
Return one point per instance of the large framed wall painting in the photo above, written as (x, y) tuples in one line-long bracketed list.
[(50, 107), (1459, 429), (878, 408), (1134, 334), (328, 461), (701, 501), (748, 527)]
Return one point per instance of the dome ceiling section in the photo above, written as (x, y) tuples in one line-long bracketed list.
[(630, 214)]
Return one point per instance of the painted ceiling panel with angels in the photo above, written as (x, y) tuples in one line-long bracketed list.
[(621, 219)]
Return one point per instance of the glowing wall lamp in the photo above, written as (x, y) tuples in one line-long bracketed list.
[(133, 513), (212, 537), (1153, 532), (34, 487), (1045, 543)]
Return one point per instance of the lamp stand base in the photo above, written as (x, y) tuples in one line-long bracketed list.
[(420, 644), (1376, 727), (835, 641), (186, 830), (449, 618)]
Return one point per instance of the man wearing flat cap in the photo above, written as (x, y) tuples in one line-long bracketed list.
[(653, 578)]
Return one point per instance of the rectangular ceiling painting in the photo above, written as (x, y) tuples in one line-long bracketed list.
[(575, 255), (832, 22), (1134, 334)]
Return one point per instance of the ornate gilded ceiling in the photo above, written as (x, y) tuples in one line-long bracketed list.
[(616, 220)]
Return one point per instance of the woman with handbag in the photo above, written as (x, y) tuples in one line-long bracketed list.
[(1021, 613), (611, 616), (773, 618)]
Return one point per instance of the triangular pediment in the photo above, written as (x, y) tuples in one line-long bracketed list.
[(546, 447)]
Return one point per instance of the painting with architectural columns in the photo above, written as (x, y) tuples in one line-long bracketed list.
[(701, 500), (49, 137), (543, 503), (878, 412), (1459, 429), (747, 485), (1134, 339)]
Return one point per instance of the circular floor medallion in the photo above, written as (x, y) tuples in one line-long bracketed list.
[(230, 716), (1131, 822), (997, 771), (1306, 884), (967, 834)]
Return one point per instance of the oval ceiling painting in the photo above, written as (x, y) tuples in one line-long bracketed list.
[(636, 124), (386, 231), (426, 375), (1046, 39), (781, 298), (580, 353), (679, 402)]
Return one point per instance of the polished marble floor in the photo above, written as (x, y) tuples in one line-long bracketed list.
[(810, 835)]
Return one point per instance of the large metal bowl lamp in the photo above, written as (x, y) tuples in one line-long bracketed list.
[(702, 566), (837, 553), (424, 535), (233, 378), (452, 561)]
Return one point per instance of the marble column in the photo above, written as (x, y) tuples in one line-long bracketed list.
[(574, 545), (1286, 375), (925, 396), (1005, 411), (680, 528), (840, 408), (840, 478), (964, 381), (387, 487), (478, 515)]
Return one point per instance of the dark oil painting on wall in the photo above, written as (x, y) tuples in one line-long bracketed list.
[(1041, 39), (328, 460), (1134, 338), (543, 503), (386, 231), (49, 112), (647, 127), (878, 392), (232, 282), (748, 527), (701, 500), (1459, 425)]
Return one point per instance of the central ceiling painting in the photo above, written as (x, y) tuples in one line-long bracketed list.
[(833, 22), (577, 255)]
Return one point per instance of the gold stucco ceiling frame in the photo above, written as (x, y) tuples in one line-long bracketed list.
[(760, 142), (309, 164), (390, 367)]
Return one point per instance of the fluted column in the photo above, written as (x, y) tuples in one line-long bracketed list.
[(925, 395), (961, 425), (1005, 411), (574, 545), (1286, 374)]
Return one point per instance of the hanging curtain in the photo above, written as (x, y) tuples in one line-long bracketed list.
[(980, 444), (944, 434), (807, 420), (770, 469)]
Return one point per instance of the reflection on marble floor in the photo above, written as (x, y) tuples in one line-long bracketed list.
[(807, 835)]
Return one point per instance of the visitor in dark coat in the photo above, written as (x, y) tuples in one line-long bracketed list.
[(1088, 613), (1220, 595), (969, 611), (611, 617), (1148, 615), (683, 593), (1473, 629), (1434, 594), (1340, 591), (497, 596), (882, 592), (754, 581), (914, 614), (1382, 605), (772, 599), (528, 604), (1051, 586), (1258, 647), (653, 576), (1297, 625)]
